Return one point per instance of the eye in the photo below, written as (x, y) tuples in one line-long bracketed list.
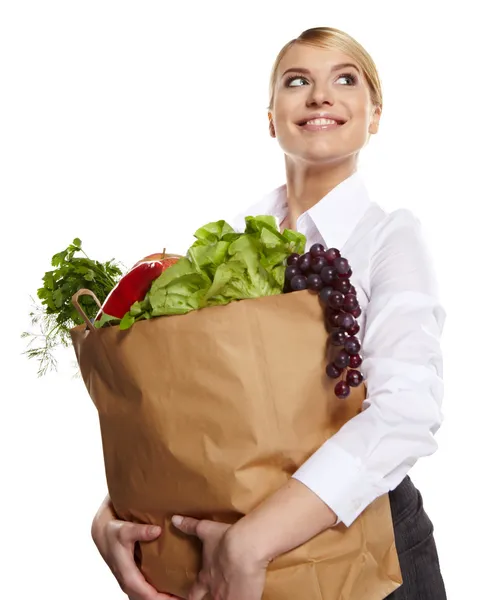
[(352, 78), (293, 78)]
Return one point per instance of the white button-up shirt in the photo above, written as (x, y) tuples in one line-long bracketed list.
[(401, 325)]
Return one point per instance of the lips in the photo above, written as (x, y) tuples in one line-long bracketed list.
[(336, 118)]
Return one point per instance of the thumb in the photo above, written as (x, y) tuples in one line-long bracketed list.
[(187, 525), (135, 532)]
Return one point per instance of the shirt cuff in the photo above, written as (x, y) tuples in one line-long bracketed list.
[(338, 479)]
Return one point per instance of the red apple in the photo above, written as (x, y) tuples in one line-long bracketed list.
[(166, 260)]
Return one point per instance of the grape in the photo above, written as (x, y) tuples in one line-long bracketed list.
[(331, 254), (304, 262), (355, 361), (338, 338), (336, 299), (351, 290), (341, 361), (292, 260), (347, 275), (332, 371), (342, 390), (354, 378), (317, 250), (325, 294), (342, 285), (350, 302), (291, 271), (352, 345), (347, 321), (287, 287), (328, 274), (314, 282), (334, 317), (317, 264), (341, 265), (357, 312), (354, 330), (298, 283)]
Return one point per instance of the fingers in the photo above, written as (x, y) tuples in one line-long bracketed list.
[(204, 529), (157, 597), (198, 592), (132, 581), (130, 533), (122, 563), (187, 525)]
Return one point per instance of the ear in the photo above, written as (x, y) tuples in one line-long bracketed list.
[(271, 127), (376, 117)]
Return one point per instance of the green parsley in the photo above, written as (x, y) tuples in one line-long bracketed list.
[(55, 315)]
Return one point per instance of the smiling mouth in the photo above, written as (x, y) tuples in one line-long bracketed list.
[(321, 123)]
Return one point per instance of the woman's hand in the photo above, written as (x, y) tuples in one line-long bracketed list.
[(230, 571), (115, 541), (235, 557)]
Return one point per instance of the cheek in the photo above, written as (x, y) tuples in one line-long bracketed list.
[(360, 106), (285, 130), (287, 135), (286, 105), (354, 134), (280, 116)]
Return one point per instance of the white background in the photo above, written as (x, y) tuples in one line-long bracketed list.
[(130, 124)]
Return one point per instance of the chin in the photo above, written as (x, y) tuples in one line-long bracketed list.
[(322, 157), (322, 153)]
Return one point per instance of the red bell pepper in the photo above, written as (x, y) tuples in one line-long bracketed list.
[(134, 286)]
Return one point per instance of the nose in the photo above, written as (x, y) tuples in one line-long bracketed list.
[(320, 95)]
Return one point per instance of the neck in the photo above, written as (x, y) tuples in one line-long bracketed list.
[(307, 185)]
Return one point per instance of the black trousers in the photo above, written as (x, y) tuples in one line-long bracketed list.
[(418, 557)]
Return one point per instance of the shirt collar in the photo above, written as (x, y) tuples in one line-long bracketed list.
[(335, 215), (274, 203)]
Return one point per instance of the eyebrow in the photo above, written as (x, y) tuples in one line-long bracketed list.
[(334, 68)]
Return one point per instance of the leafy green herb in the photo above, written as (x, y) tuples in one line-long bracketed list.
[(55, 315)]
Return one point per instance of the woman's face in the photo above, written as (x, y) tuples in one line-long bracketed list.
[(312, 82)]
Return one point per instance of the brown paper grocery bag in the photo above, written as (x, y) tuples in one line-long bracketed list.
[(208, 413)]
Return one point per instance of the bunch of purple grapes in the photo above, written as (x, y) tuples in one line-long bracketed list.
[(328, 273)]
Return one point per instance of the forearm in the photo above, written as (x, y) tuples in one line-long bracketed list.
[(285, 520)]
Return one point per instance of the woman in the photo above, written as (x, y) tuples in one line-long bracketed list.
[(325, 104)]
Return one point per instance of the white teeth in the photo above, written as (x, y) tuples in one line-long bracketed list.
[(321, 122)]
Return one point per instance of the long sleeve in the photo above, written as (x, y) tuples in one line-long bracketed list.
[(402, 364)]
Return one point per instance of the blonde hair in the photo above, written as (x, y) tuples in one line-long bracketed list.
[(330, 38)]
